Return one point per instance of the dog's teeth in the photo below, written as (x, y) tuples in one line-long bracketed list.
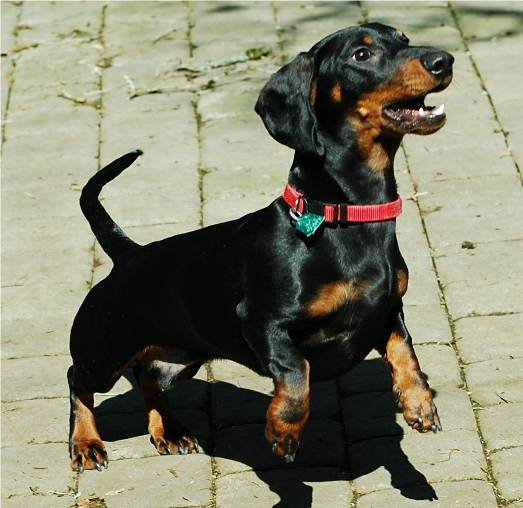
[(439, 110), (420, 111)]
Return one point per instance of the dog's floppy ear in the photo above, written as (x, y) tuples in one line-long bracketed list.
[(285, 107)]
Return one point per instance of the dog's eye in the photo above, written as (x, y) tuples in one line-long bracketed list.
[(362, 54)]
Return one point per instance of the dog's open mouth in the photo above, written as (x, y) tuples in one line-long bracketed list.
[(412, 115)]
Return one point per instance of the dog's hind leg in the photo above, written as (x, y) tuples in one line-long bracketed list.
[(86, 448), (154, 378)]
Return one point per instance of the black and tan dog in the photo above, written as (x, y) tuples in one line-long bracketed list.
[(303, 289)]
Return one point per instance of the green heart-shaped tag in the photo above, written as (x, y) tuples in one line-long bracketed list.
[(309, 223)]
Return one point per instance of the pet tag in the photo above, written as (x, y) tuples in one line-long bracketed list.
[(309, 223)]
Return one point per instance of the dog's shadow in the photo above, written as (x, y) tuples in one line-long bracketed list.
[(342, 441)]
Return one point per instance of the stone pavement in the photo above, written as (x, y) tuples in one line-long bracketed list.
[(83, 83)]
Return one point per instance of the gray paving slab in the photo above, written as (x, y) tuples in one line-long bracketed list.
[(461, 494), (33, 378), (493, 382), (447, 200), (37, 421), (243, 447), (42, 468), (210, 45), (505, 468), (158, 482), (497, 425), (503, 33), (316, 487), (489, 337), (480, 280), (36, 336)]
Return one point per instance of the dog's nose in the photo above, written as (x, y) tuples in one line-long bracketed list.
[(439, 64)]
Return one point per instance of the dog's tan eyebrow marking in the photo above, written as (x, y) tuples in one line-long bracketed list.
[(336, 93), (367, 40)]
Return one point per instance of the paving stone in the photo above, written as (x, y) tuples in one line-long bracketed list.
[(466, 199), (37, 421), (506, 470), (489, 337), (427, 323), (462, 494), (315, 487), (404, 461), (31, 302), (162, 481), (42, 468), (164, 28), (59, 500), (170, 138), (423, 288), (497, 425), (492, 292), (375, 415), (303, 23), (229, 194), (10, 13), (440, 365), (53, 23), (211, 46), (44, 263), (502, 34), (69, 71), (234, 100), (244, 447), (31, 378), (45, 335), (495, 381)]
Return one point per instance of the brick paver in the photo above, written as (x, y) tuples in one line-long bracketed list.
[(84, 82)]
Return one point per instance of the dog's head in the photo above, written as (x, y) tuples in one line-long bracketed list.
[(363, 81)]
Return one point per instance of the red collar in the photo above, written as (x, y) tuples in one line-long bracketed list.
[(343, 212)]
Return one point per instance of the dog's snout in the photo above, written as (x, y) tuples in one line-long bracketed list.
[(439, 64)]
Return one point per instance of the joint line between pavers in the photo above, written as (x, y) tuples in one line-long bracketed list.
[(279, 31), (486, 452), (75, 479), (11, 78), (201, 176), (503, 131)]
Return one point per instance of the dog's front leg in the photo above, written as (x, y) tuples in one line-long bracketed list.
[(288, 411), (409, 384)]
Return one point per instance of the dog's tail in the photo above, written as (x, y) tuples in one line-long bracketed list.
[(112, 239)]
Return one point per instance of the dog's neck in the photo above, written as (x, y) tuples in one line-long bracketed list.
[(345, 175)]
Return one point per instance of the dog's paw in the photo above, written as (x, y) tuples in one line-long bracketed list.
[(88, 454), (180, 445), (418, 408), (285, 441)]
